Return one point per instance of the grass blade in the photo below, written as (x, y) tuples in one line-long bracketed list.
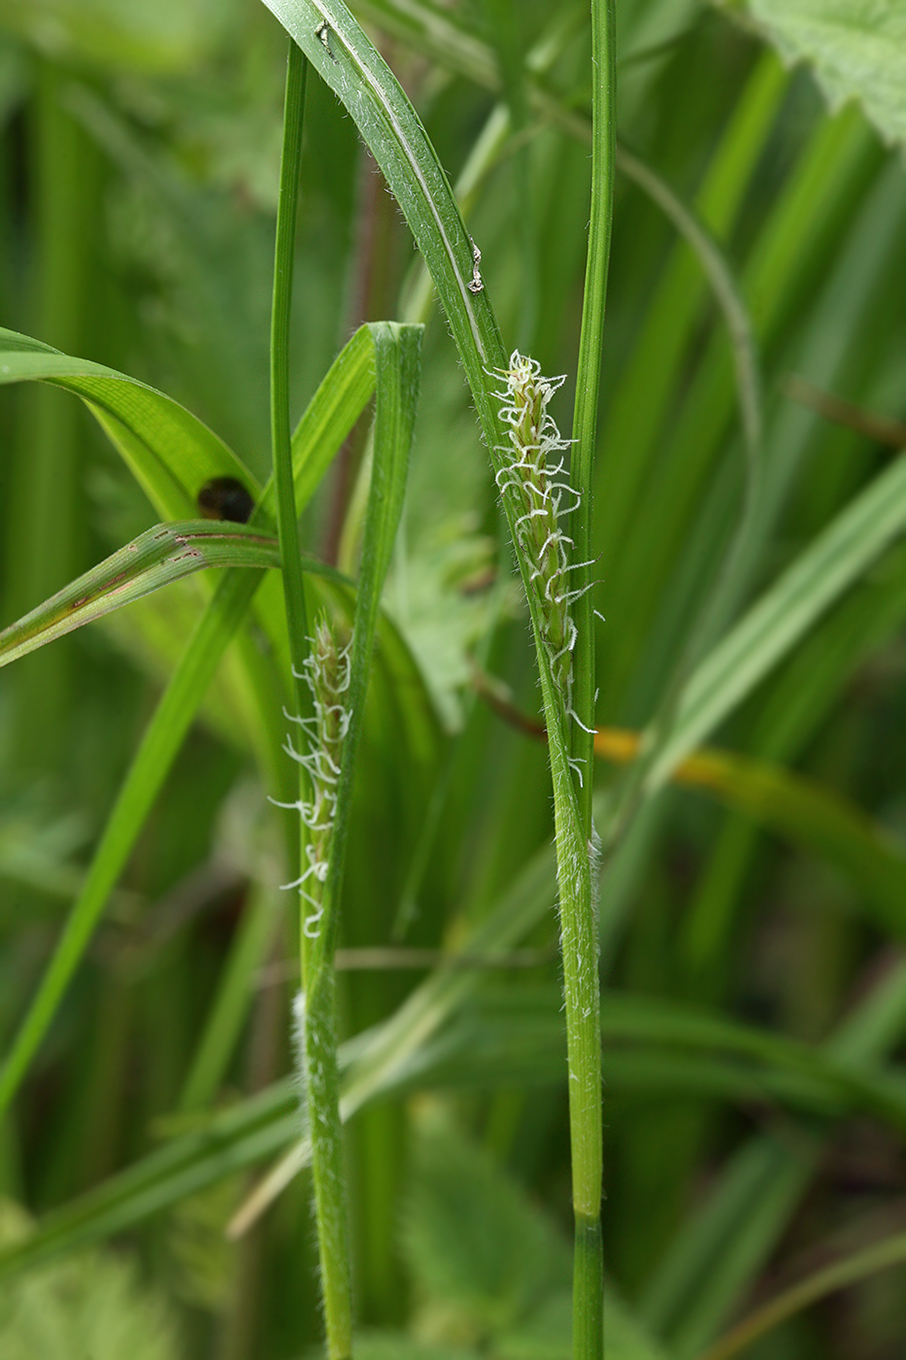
[(836, 559), (171, 453), (328, 419), (166, 553), (860, 1265)]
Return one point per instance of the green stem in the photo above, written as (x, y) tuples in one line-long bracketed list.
[(578, 908), (322, 1085), (318, 1037), (576, 869), (588, 376)]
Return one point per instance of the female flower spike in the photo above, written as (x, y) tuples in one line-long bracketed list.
[(534, 480), (327, 676)]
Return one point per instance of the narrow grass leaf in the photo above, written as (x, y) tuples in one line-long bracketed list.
[(804, 812), (328, 419), (821, 574), (860, 1265), (502, 1037), (710, 1264), (166, 553)]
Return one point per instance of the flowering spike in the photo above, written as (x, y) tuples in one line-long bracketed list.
[(327, 674), (533, 480)]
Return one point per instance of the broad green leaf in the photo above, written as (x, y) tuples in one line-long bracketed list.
[(856, 47), (472, 1239), (486, 1255), (171, 453)]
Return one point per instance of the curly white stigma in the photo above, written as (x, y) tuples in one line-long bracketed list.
[(326, 673), (534, 480)]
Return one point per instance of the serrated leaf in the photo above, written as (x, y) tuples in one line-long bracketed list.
[(856, 47), (91, 1305), (472, 1239)]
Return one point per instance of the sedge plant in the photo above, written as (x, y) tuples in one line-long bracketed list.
[(655, 511), (538, 500)]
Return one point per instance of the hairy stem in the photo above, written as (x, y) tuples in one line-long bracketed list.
[(579, 926)]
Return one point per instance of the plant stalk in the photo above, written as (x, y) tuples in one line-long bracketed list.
[(317, 1026), (588, 374), (578, 904), (578, 908)]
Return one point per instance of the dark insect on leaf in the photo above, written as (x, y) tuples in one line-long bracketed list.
[(225, 498)]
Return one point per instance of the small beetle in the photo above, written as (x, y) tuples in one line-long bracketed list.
[(225, 498)]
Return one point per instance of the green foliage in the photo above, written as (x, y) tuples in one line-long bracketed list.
[(89, 1305), (473, 1242), (747, 530), (489, 1264), (856, 48), (170, 36)]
